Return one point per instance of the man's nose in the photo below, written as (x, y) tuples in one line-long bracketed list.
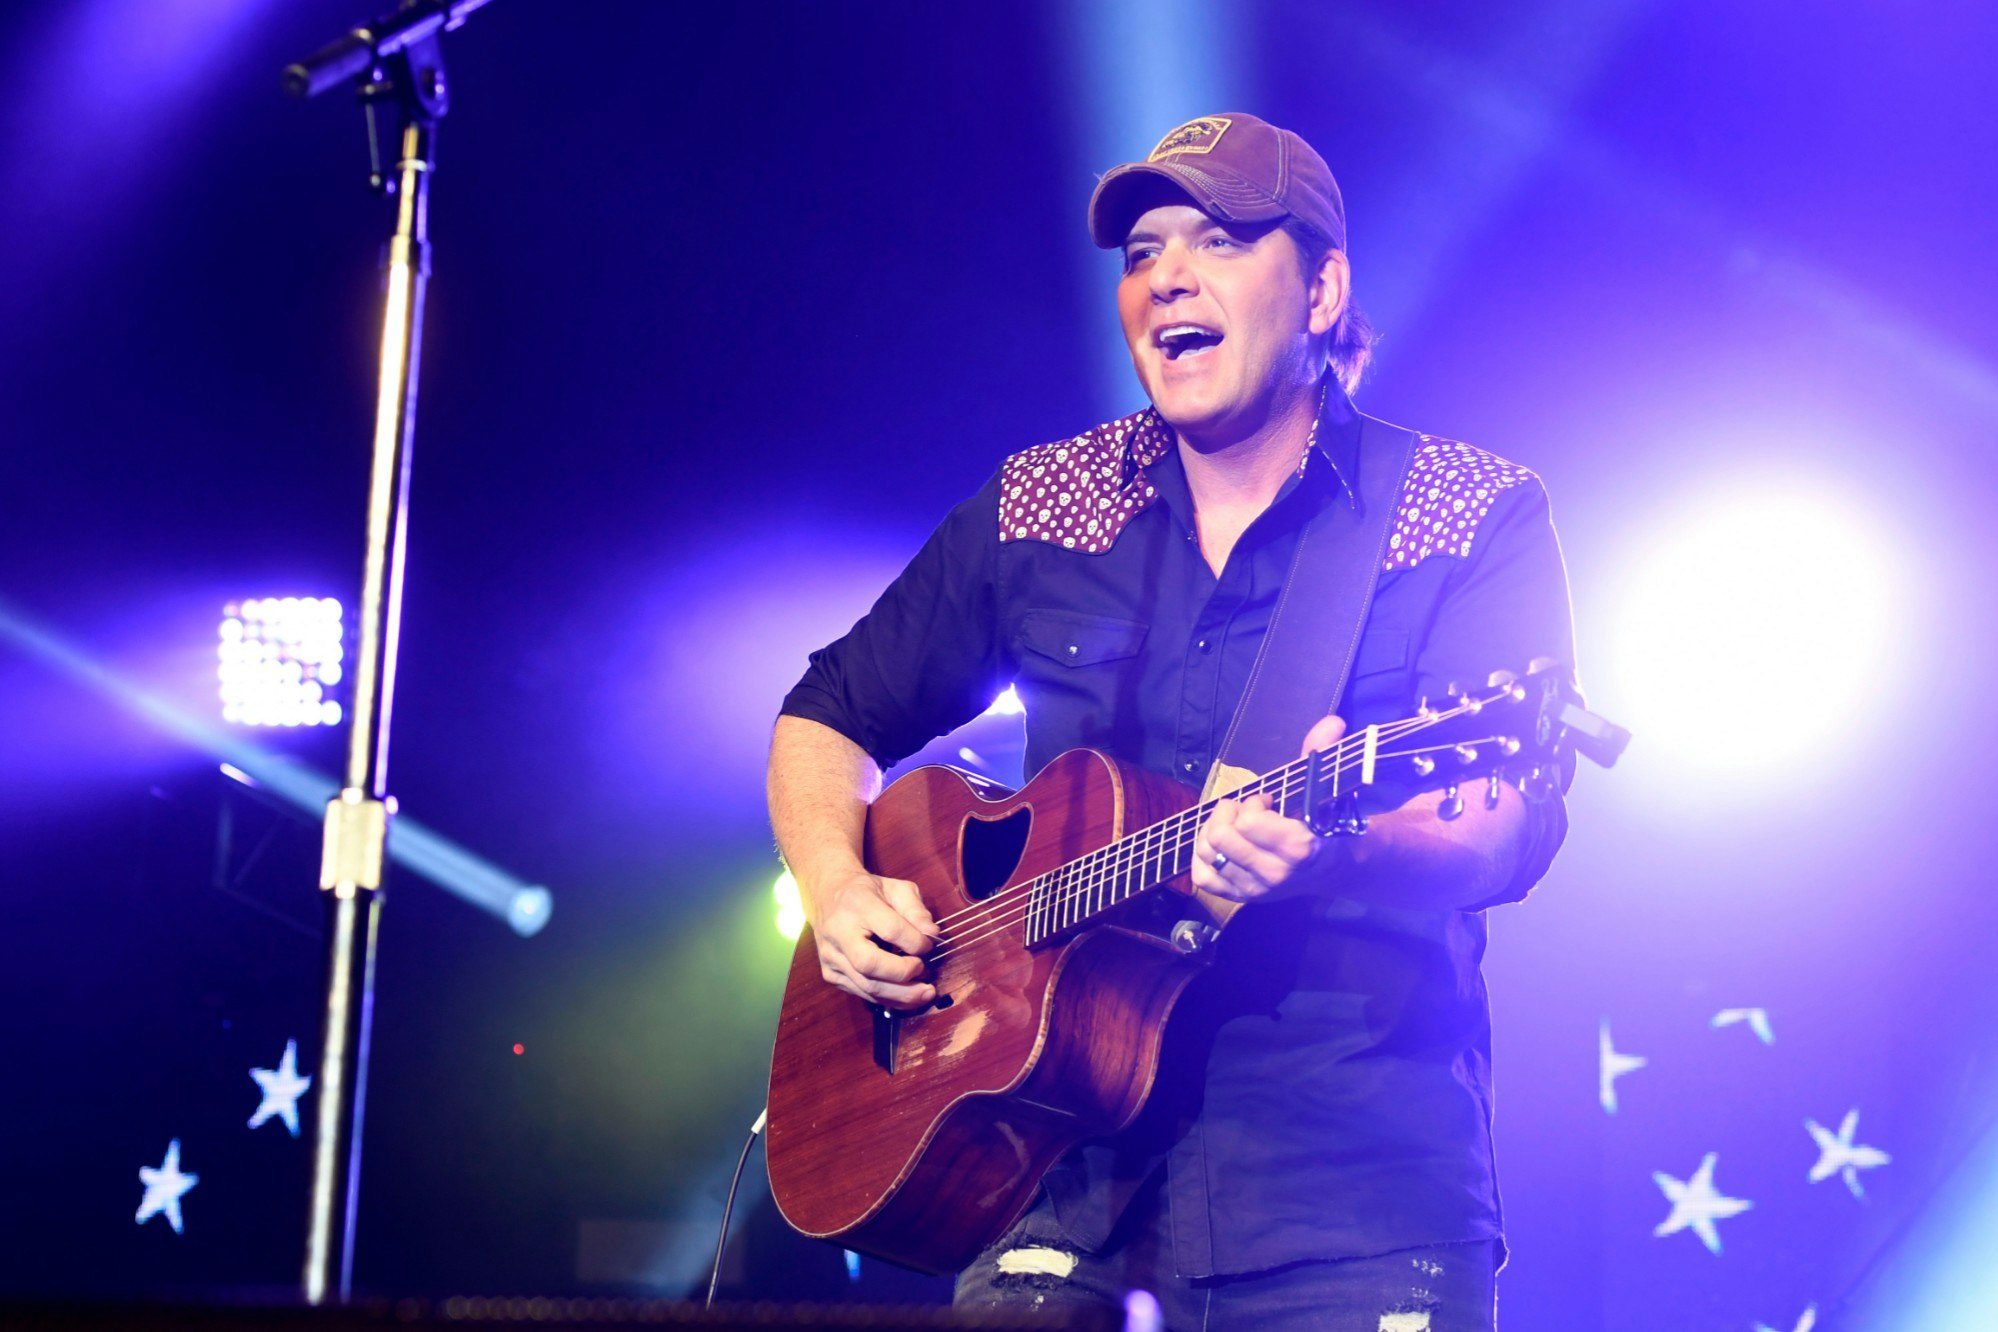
[(1172, 274)]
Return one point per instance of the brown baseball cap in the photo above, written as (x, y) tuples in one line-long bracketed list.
[(1235, 168)]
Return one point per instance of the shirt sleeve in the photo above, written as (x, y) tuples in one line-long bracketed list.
[(927, 657), (1507, 607)]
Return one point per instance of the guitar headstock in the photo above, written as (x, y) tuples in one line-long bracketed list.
[(1515, 728)]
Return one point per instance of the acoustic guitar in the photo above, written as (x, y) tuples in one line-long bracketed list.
[(1069, 929)]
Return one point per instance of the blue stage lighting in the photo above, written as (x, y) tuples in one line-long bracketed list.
[(279, 659)]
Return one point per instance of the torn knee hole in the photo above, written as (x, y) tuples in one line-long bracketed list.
[(1035, 1265)]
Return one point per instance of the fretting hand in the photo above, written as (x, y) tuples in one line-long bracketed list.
[(1247, 852)]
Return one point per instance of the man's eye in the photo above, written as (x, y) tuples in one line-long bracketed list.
[(1222, 242)]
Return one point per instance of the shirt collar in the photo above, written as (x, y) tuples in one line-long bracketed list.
[(1336, 435)]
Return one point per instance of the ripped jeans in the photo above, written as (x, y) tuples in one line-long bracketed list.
[(1440, 1288)]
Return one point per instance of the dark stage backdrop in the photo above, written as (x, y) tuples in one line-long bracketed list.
[(730, 304)]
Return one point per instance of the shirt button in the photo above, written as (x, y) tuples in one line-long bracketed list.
[(1188, 765), (1073, 649), (1205, 646)]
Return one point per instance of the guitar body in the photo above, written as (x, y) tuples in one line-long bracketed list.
[(921, 1138)]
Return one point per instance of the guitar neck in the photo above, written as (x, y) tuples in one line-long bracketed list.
[(1077, 893)]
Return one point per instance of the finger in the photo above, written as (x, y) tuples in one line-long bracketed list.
[(1203, 841), (886, 993), (902, 997), (907, 899), (1210, 880), (887, 924), (1286, 837), (1324, 733), (1256, 866), (868, 960)]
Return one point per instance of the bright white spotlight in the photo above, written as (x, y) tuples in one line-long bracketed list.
[(1754, 630), (790, 906), (1008, 704), (278, 657)]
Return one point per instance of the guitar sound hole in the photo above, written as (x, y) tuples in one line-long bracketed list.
[(992, 850)]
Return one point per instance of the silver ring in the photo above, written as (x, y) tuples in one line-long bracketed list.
[(1220, 862)]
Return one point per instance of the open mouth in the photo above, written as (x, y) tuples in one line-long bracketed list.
[(1182, 340)]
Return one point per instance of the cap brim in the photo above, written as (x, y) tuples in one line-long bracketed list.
[(1222, 194)]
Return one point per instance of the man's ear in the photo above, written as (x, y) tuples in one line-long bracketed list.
[(1331, 287)]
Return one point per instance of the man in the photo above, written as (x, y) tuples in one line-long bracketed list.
[(1318, 1151)]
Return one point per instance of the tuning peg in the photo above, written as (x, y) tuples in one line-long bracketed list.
[(1466, 754), (1500, 679), (1536, 785), (1423, 765), (1541, 665), (1492, 791), (1508, 745), (1453, 804), (1422, 708)]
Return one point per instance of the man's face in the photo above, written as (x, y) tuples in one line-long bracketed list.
[(1219, 320)]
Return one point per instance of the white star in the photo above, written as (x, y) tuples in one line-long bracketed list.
[(1805, 1323), (164, 1187), (282, 1087), (1838, 1155), (1756, 1018), (1610, 1066), (1695, 1203)]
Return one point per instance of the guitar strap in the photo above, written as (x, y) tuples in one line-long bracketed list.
[(1307, 656)]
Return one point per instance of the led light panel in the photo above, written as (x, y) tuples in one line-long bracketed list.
[(280, 659)]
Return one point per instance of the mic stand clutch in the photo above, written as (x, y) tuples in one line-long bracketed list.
[(404, 67)]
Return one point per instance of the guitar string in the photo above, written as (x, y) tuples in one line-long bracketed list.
[(1391, 730), (1134, 852), (998, 925), (1173, 823), (1047, 903), (1292, 783)]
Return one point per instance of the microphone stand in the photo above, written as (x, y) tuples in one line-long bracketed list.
[(401, 60)]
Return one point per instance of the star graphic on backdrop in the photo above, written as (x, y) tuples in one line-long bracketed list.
[(1805, 1323), (1610, 1066), (282, 1087), (164, 1188), (1696, 1204), (1756, 1018), (1839, 1155)]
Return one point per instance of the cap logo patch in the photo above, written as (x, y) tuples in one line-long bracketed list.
[(1195, 136)]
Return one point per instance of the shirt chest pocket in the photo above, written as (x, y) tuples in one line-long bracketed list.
[(1075, 640), (1080, 680)]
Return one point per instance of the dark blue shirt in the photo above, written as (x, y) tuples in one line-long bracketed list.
[(1326, 1091)]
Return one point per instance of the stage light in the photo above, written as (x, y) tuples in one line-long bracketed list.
[(277, 657), (524, 906), (1754, 628), (1008, 704), (790, 906)]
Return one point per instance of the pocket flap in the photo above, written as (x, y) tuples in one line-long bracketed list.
[(1075, 639)]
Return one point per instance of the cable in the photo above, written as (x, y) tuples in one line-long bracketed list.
[(728, 1206)]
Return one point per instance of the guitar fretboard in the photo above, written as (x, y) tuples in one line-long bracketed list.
[(1089, 886)]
